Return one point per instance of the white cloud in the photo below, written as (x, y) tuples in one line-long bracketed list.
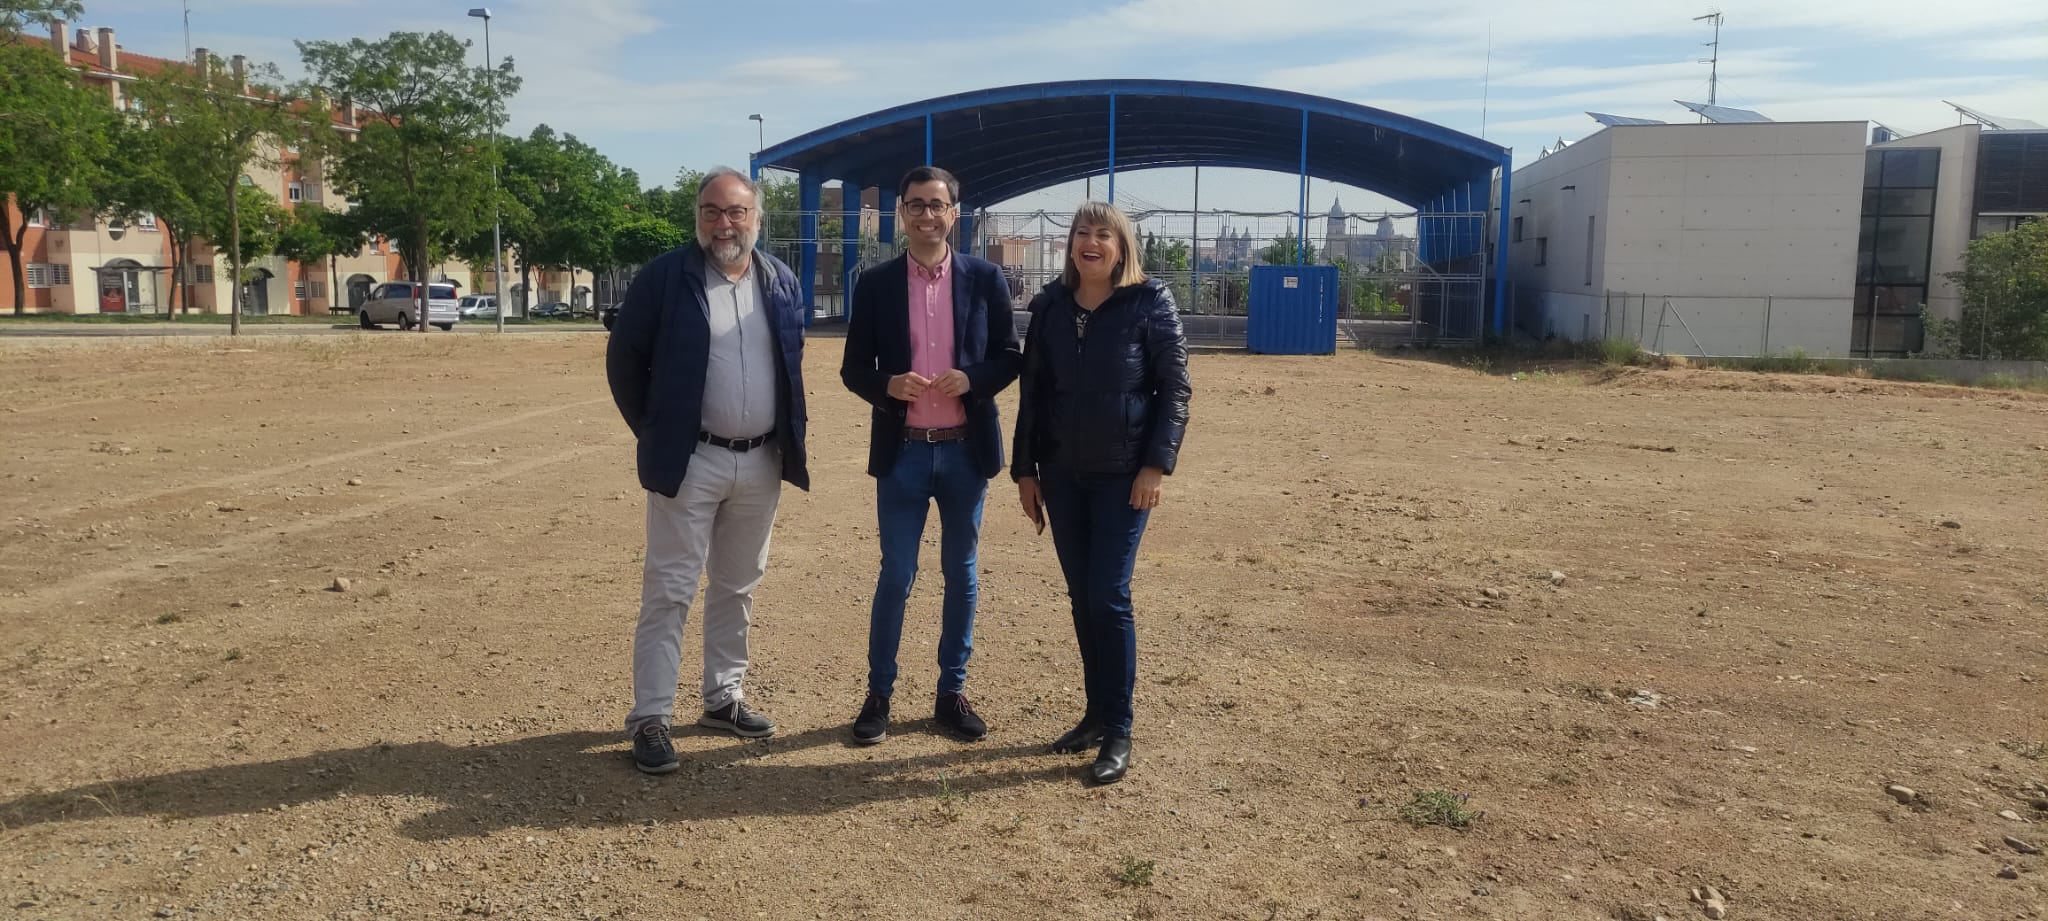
[(2029, 45), (793, 71), (1380, 70)]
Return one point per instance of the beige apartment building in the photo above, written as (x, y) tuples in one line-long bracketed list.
[(93, 265)]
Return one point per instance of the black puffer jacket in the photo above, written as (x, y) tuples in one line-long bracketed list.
[(1111, 402)]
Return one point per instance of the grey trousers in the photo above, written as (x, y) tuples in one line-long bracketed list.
[(718, 527)]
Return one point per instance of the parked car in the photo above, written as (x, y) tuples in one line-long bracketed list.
[(608, 315), (478, 307), (557, 310), (396, 302)]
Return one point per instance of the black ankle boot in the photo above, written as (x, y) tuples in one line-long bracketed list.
[(1113, 761), (1082, 737)]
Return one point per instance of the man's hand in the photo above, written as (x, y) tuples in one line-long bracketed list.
[(952, 383), (1146, 488), (908, 386)]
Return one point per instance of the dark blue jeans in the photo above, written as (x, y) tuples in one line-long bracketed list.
[(924, 474), (1096, 532)]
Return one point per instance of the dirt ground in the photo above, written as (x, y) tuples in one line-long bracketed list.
[(1667, 630)]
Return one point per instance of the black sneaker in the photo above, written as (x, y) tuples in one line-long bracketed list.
[(872, 725), (653, 753), (958, 717), (738, 720)]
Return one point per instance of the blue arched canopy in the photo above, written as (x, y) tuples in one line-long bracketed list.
[(1014, 140)]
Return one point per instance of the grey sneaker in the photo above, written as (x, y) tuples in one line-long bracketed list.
[(653, 753), (738, 720)]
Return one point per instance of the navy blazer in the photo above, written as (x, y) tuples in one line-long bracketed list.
[(660, 350), (984, 348)]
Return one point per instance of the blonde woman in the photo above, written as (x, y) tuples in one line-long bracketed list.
[(1103, 407)]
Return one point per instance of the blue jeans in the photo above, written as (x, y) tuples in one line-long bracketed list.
[(1096, 533), (925, 473)]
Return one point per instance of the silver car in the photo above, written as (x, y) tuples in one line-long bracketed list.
[(395, 302), (479, 307)]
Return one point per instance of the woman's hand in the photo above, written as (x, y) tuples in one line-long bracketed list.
[(1033, 502), (1146, 488)]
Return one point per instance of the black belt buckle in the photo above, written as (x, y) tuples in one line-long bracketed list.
[(735, 445)]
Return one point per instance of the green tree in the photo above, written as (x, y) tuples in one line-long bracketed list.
[(2004, 286), (148, 178), (677, 206), (576, 197), (1168, 257), (1283, 251), (314, 235), (421, 164), (211, 127), (55, 139), (638, 240), (18, 14)]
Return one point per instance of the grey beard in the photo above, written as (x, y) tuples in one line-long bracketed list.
[(730, 254)]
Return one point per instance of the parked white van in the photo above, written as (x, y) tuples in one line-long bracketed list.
[(394, 302)]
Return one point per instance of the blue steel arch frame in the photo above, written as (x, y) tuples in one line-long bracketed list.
[(1009, 141)]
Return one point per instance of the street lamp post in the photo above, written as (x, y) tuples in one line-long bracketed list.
[(760, 131), (497, 225)]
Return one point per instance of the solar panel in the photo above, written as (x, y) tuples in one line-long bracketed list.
[(1997, 123), (1723, 115), (1615, 120)]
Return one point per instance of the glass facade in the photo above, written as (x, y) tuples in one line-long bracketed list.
[(1893, 250)]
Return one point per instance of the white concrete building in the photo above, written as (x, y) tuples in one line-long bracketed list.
[(1714, 239), (1751, 238)]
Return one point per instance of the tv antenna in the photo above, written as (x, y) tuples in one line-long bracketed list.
[(1714, 60)]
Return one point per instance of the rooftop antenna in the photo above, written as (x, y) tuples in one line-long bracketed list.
[(1714, 61), (1486, 81)]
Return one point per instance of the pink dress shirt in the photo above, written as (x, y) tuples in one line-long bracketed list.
[(931, 343)]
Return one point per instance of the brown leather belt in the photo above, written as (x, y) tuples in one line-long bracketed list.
[(934, 436)]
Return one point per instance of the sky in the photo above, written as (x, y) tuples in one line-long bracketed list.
[(657, 86)]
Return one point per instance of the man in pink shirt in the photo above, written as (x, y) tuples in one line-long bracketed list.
[(929, 343)]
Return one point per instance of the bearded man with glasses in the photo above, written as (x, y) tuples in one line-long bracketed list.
[(706, 365)]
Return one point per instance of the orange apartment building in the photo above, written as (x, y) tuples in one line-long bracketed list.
[(90, 265)]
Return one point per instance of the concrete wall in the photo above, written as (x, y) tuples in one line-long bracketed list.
[(1716, 217), (87, 246), (1955, 210)]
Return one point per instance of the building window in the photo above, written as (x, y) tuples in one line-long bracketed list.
[(1589, 249), (296, 191), (317, 288), (47, 274), (1518, 228), (373, 246), (1893, 250), (38, 218), (198, 274), (146, 222), (1542, 250), (299, 290)]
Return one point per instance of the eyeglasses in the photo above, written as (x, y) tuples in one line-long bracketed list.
[(918, 207), (735, 214)]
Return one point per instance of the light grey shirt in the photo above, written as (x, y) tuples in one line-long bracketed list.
[(739, 383)]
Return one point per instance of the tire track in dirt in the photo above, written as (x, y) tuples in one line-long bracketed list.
[(251, 476), (230, 550)]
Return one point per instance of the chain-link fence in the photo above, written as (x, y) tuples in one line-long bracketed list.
[(1400, 280), (1714, 326)]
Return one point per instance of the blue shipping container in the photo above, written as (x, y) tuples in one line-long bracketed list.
[(1293, 310)]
